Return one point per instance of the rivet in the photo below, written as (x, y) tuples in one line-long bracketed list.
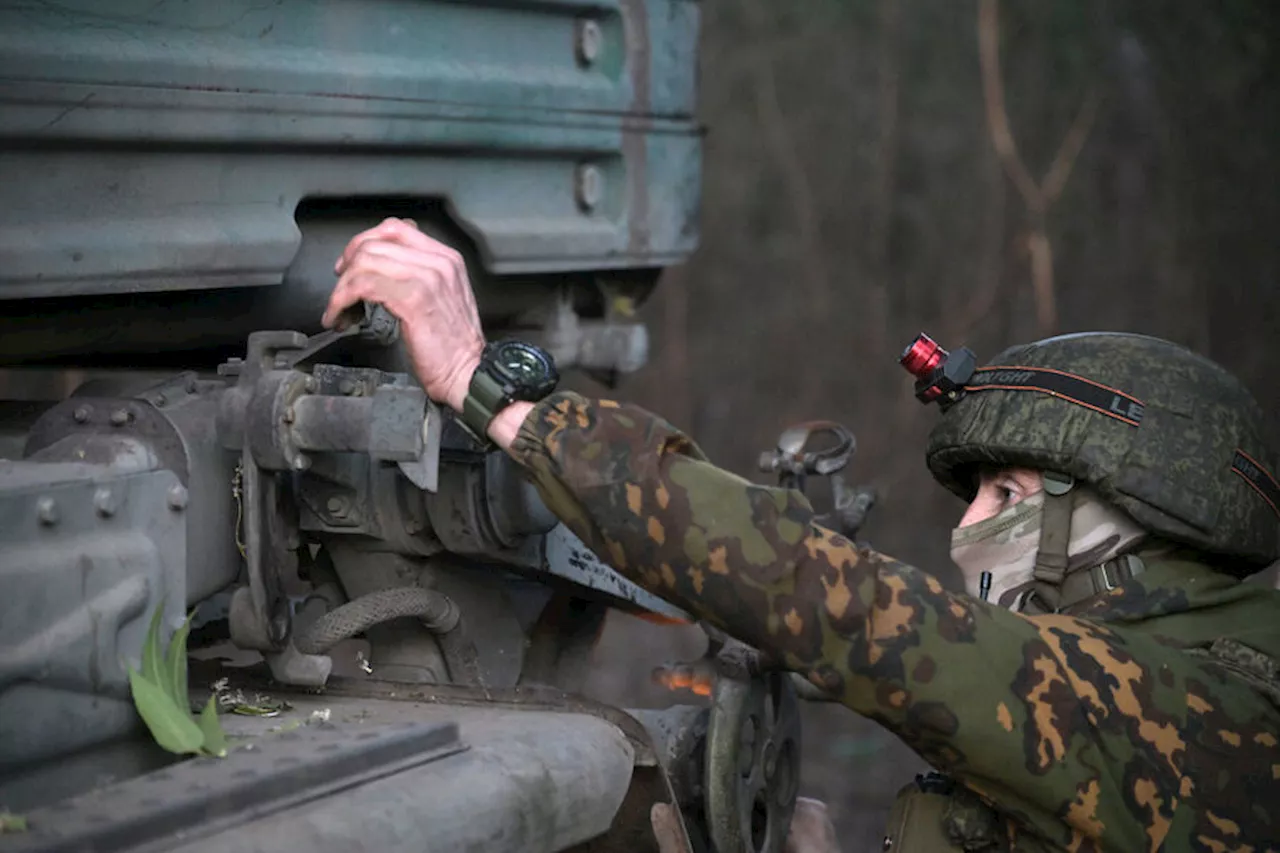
[(346, 386), (47, 511), (589, 41), (177, 497), (588, 186), (160, 400), (81, 414), (310, 384), (104, 502), (191, 385), (119, 417), (336, 505)]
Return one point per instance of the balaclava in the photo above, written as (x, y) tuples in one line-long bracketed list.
[(1005, 545)]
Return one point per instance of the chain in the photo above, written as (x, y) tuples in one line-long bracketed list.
[(237, 492)]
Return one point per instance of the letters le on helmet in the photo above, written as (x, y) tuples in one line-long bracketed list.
[(1168, 436)]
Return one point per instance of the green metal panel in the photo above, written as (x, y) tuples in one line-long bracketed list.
[(165, 146)]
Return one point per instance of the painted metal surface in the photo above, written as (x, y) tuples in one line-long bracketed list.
[(150, 147)]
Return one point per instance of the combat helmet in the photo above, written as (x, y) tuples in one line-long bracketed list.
[(1167, 436)]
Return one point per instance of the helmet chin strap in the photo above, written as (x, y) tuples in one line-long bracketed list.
[(1055, 541), (1056, 587)]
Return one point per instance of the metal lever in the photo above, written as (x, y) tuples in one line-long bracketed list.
[(367, 320)]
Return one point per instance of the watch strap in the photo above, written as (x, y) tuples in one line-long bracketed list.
[(485, 398)]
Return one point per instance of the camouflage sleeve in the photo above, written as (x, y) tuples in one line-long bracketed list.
[(1061, 722)]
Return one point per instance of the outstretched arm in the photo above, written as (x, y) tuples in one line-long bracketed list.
[(1060, 721), (1082, 731)]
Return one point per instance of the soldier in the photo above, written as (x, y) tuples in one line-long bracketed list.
[(1117, 689)]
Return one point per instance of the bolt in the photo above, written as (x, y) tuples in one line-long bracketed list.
[(347, 387), (288, 415), (301, 462), (81, 414), (588, 186), (589, 42), (104, 502), (47, 511), (412, 526), (119, 417), (309, 384), (160, 401), (177, 498), (336, 505)]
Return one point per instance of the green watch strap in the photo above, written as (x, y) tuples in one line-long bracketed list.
[(485, 398)]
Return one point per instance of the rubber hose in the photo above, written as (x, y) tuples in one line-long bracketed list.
[(437, 611)]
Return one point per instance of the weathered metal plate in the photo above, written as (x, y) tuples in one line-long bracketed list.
[(201, 795), (86, 555)]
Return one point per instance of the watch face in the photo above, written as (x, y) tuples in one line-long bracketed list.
[(526, 367), (521, 363)]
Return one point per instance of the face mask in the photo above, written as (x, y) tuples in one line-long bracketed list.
[(1006, 544)]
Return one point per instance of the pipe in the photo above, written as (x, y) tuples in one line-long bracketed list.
[(438, 613)]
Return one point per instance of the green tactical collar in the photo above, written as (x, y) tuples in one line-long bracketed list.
[(1187, 601)]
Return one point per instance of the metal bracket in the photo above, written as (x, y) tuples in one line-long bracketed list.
[(277, 416), (793, 462)]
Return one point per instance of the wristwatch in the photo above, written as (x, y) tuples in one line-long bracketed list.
[(509, 370)]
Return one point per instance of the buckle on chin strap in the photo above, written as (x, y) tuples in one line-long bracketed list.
[(1114, 572), (1055, 537)]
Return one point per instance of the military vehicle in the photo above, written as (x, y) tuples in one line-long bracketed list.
[(179, 435)]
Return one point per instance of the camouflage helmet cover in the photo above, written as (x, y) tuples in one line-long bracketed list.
[(1168, 436)]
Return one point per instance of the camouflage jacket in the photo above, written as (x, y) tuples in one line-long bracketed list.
[(1094, 731)]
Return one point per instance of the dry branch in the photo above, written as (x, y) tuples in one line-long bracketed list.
[(1037, 197), (782, 147)]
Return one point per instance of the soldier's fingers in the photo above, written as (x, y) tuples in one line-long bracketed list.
[(397, 261), (368, 287), (376, 232), (373, 251), (370, 281), (407, 288), (406, 232), (397, 232), (390, 228)]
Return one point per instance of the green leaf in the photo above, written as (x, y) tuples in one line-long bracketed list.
[(152, 661), (175, 667), (215, 742), (171, 725)]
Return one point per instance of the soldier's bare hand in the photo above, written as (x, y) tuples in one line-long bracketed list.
[(424, 284)]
